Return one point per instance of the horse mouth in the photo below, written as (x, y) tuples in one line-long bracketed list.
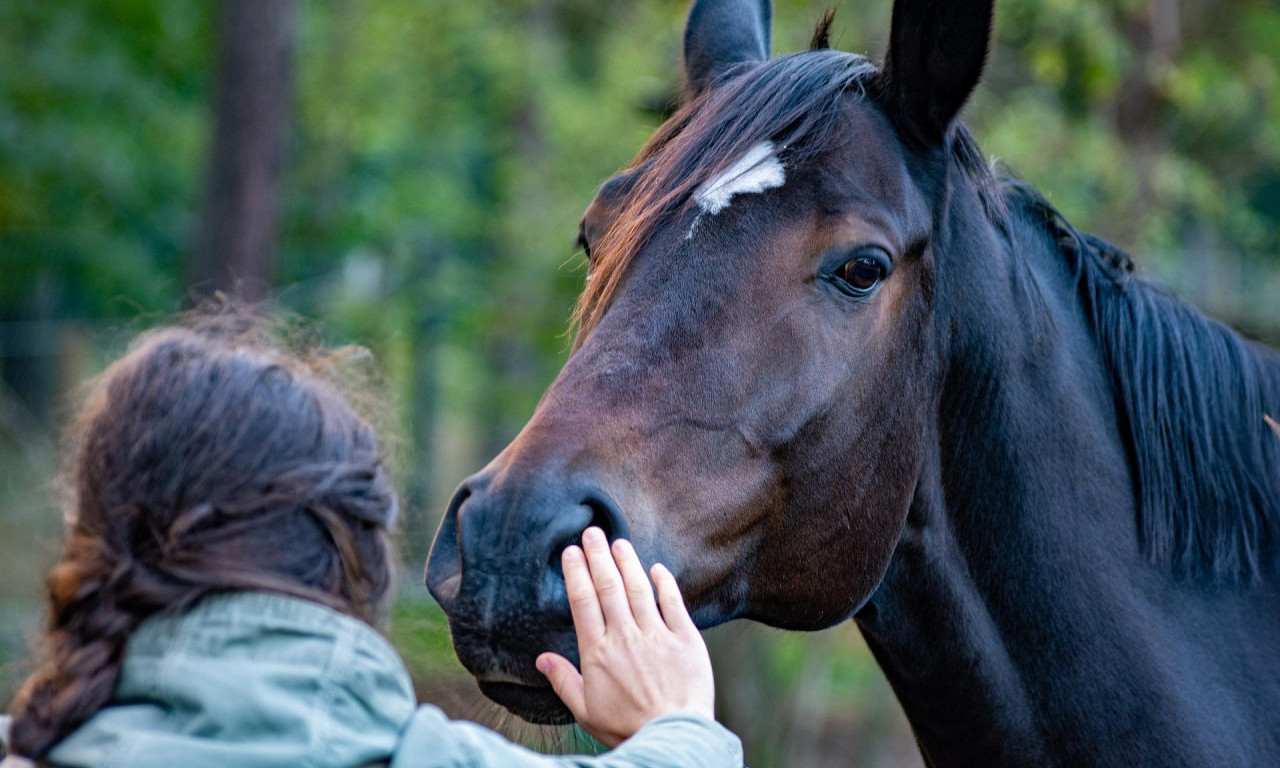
[(536, 704)]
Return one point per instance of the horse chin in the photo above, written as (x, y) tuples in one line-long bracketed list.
[(536, 704)]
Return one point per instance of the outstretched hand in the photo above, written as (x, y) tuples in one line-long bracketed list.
[(638, 663)]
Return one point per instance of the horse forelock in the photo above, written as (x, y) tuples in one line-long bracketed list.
[(792, 104)]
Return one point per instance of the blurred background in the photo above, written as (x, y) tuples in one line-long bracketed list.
[(410, 173)]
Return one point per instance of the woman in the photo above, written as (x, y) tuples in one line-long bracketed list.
[(227, 550)]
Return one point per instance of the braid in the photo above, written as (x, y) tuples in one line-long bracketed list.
[(87, 631)]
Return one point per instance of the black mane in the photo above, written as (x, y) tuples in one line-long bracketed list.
[(1192, 395)]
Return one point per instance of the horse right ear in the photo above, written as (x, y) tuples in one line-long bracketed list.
[(722, 33), (937, 49)]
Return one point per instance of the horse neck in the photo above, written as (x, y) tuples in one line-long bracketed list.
[(1021, 540)]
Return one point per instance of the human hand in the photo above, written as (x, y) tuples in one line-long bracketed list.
[(637, 663)]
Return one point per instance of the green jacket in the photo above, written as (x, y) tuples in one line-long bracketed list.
[(252, 680)]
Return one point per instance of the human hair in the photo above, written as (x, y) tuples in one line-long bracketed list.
[(206, 460)]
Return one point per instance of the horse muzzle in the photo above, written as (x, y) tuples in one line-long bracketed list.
[(495, 569)]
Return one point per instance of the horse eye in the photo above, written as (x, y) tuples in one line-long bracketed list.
[(862, 273)]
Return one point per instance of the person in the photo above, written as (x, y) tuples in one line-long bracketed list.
[(228, 550)]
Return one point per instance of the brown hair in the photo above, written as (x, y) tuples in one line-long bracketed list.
[(205, 461)]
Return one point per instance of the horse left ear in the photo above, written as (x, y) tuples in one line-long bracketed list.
[(937, 49), (722, 33)]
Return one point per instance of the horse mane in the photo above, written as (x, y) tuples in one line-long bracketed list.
[(793, 100), (1192, 395)]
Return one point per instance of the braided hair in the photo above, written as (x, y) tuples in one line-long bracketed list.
[(205, 462)]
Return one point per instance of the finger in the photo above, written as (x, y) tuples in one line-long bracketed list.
[(609, 589), (639, 589), (674, 611), (588, 621), (565, 680)]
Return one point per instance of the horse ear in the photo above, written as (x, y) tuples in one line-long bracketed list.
[(937, 49), (721, 33)]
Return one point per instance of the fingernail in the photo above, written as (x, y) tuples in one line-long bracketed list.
[(571, 552), (543, 664), (593, 534)]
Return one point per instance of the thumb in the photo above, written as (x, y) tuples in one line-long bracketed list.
[(565, 680)]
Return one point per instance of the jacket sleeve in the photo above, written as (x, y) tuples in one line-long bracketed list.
[(680, 740)]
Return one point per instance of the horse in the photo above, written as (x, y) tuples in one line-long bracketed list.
[(829, 365)]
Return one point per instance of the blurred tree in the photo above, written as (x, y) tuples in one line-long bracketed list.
[(1155, 123), (253, 100)]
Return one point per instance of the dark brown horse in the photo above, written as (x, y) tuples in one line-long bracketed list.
[(829, 367)]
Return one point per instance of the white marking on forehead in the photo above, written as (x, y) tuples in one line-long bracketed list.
[(754, 172)]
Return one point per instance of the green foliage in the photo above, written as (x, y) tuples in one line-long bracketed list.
[(420, 631), (102, 109), (1147, 122), (440, 155)]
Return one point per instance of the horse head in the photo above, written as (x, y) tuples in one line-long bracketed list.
[(756, 361)]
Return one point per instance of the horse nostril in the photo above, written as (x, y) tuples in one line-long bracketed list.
[(497, 551), (606, 515), (569, 537), (596, 508), (444, 564)]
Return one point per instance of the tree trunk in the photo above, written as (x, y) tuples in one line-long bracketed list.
[(237, 239), (1154, 35), (423, 511)]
